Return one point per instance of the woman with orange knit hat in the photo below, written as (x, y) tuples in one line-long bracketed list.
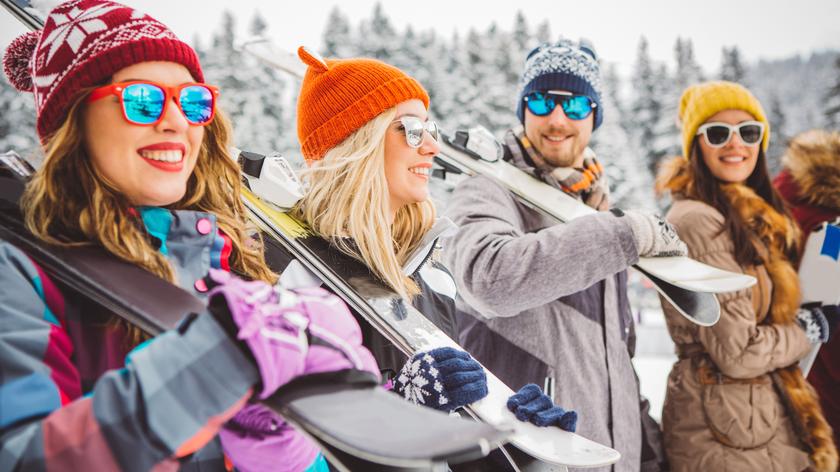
[(365, 132), (736, 399)]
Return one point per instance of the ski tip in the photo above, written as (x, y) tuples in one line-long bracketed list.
[(312, 59)]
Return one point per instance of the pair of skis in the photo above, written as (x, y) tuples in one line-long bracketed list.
[(690, 286), (357, 423), (410, 331)]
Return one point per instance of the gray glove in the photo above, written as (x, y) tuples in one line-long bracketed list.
[(654, 236)]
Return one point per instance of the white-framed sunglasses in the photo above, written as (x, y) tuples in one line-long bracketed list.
[(414, 127), (717, 134)]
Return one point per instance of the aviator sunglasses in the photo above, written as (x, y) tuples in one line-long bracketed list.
[(576, 107), (414, 127), (718, 134), (144, 103)]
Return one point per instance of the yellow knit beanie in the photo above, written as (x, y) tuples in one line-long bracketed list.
[(701, 101)]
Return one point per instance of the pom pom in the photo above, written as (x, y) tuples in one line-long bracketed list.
[(312, 59), (17, 60)]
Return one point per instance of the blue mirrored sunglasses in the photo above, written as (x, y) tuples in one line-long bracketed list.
[(576, 107)]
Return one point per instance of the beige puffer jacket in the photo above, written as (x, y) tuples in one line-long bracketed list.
[(722, 411)]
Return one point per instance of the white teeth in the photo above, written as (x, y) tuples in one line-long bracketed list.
[(165, 156), (421, 171), (733, 158), (556, 139)]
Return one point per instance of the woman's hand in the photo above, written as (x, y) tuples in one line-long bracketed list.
[(443, 378)]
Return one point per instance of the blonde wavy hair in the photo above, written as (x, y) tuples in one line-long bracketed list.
[(68, 203), (347, 204)]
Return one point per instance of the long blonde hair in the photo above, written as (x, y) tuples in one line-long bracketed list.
[(68, 203), (347, 203)]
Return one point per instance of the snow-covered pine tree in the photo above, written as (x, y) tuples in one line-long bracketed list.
[(778, 137), (647, 107), (17, 120), (262, 124), (731, 67), (832, 99), (377, 36), (631, 184), (543, 34), (688, 71), (337, 35), (522, 41), (253, 94)]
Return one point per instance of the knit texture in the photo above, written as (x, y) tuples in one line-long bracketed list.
[(531, 404), (443, 378), (564, 65), (701, 101), (83, 43), (338, 96)]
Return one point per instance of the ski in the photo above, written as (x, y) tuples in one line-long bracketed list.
[(407, 328), (348, 415), (819, 274)]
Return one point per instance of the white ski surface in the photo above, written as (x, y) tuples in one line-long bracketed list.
[(416, 333), (682, 272), (819, 275)]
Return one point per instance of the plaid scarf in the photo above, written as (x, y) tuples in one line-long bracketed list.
[(587, 183)]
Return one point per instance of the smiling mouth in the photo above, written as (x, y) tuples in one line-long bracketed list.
[(733, 159), (556, 139), (421, 171), (170, 156)]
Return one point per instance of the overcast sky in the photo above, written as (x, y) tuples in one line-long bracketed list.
[(762, 29)]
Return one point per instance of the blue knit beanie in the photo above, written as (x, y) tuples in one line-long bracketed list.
[(564, 65)]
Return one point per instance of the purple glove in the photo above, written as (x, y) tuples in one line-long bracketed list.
[(257, 439), (276, 326)]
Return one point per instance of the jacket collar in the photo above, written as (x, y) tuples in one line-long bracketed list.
[(191, 241)]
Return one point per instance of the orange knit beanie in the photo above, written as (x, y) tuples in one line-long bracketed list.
[(338, 96)]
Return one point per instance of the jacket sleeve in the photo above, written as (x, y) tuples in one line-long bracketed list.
[(739, 347), (502, 270), (171, 398)]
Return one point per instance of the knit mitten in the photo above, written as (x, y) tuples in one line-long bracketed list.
[(654, 236), (443, 378), (530, 404), (818, 322)]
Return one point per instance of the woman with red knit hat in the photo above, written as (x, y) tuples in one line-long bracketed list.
[(136, 163)]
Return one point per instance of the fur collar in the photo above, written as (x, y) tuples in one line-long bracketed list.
[(774, 233), (813, 161)]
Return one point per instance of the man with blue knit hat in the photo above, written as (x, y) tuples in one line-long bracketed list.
[(543, 302)]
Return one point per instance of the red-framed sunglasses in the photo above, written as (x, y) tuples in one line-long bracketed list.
[(144, 103)]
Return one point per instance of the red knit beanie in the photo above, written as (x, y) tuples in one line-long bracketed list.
[(339, 96), (83, 43)]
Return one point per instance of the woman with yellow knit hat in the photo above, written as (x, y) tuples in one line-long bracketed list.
[(736, 399)]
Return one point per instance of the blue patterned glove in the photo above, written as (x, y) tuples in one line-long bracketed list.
[(443, 378), (818, 321), (530, 404)]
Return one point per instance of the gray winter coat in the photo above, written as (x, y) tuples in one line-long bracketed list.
[(547, 299)]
